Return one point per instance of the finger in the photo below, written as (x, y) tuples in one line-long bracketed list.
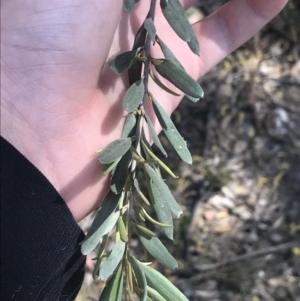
[(231, 26)]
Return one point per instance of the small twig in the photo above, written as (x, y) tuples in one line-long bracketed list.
[(246, 256)]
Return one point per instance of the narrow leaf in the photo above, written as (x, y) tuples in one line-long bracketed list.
[(114, 150), (193, 42), (162, 208), (161, 85), (179, 78), (119, 176), (150, 27), (124, 61), (171, 132), (141, 278), (155, 136), (129, 126), (114, 288), (177, 19), (159, 187), (134, 73), (103, 223), (122, 229), (141, 229), (155, 295), (157, 160), (162, 285), (168, 53), (143, 197), (155, 247), (134, 96), (193, 99), (112, 260)]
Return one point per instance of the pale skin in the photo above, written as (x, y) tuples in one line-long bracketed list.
[(60, 103)]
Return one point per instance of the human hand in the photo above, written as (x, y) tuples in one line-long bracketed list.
[(60, 103)]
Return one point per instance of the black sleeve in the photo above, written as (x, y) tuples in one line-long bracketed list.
[(40, 252)]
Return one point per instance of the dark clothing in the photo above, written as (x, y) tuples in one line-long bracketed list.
[(40, 252)]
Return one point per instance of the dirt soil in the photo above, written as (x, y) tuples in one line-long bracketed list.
[(239, 237)]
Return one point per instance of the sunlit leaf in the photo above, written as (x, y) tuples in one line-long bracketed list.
[(119, 175), (155, 295), (140, 277), (177, 19), (114, 150), (161, 85), (162, 285), (168, 53), (150, 27), (103, 223), (114, 288), (124, 61), (155, 136), (128, 5), (162, 209), (142, 229), (155, 247), (122, 228), (179, 78), (129, 126), (112, 260), (171, 132), (161, 188), (134, 96)]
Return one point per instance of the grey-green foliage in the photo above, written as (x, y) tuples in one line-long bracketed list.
[(112, 261), (114, 150), (114, 288), (179, 78), (171, 132), (103, 223), (162, 285), (127, 207), (155, 247), (134, 96)]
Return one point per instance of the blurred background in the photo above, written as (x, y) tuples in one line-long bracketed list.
[(239, 236)]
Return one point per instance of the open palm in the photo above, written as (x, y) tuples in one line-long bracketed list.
[(60, 103)]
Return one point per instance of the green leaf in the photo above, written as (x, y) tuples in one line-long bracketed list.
[(114, 288), (154, 136), (119, 176), (194, 44), (150, 27), (129, 126), (155, 247), (161, 188), (140, 277), (161, 85), (124, 61), (103, 223), (162, 209), (134, 96), (168, 53), (112, 260), (114, 150), (179, 78), (155, 295), (171, 132), (177, 19), (107, 168), (162, 285), (129, 5), (134, 73)]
